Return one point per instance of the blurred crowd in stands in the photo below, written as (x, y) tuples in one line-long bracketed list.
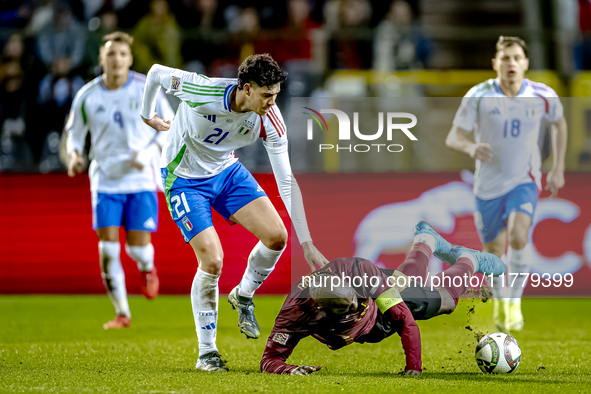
[(50, 50)]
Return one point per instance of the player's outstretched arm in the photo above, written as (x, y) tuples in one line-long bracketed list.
[(555, 178), (76, 129), (292, 198), (410, 336), (457, 139)]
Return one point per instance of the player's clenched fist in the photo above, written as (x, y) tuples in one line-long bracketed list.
[(76, 164), (481, 151), (305, 369)]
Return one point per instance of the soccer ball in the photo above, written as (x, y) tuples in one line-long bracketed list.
[(498, 353)]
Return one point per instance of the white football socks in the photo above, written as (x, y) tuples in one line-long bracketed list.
[(204, 299), (426, 238), (142, 255), (499, 285), (518, 264), (261, 262), (113, 276)]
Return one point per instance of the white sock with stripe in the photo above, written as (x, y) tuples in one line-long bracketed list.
[(204, 300), (113, 276), (261, 263)]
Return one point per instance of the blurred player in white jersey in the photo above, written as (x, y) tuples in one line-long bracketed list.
[(123, 177), (200, 171), (505, 115)]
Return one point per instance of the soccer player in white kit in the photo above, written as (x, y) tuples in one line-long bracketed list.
[(123, 180), (200, 171), (505, 115)]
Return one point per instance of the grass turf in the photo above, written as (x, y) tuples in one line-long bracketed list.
[(57, 344)]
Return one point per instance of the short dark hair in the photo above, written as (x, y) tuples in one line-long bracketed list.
[(505, 42), (117, 36), (260, 69)]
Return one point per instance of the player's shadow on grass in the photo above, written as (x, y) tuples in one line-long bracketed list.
[(472, 376)]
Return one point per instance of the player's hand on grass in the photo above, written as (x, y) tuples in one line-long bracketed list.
[(157, 123), (76, 164), (305, 369), (554, 181), (313, 256), (481, 151), (409, 372)]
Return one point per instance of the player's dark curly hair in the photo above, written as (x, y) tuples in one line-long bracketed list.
[(260, 69)]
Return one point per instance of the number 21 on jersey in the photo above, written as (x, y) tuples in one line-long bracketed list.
[(176, 200)]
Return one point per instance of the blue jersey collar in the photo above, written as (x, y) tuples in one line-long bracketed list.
[(127, 83), (498, 88)]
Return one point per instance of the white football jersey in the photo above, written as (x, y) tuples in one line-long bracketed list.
[(117, 131), (511, 125), (205, 131)]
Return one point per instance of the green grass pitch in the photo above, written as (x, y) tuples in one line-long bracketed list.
[(57, 344)]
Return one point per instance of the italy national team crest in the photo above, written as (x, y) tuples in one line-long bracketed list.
[(176, 83), (187, 223), (246, 127), (281, 338), (134, 104)]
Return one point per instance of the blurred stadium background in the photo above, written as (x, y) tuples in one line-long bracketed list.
[(432, 51)]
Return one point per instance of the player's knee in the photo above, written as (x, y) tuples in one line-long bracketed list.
[(212, 265), (518, 239), (276, 240)]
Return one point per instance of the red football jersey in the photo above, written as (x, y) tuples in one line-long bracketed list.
[(300, 316)]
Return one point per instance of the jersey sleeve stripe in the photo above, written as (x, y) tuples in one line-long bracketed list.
[(274, 122), (84, 118), (545, 101), (189, 85), (203, 94), (203, 90), (540, 86), (263, 133), (281, 124)]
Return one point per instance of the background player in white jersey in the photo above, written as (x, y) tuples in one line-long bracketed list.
[(200, 171), (505, 115), (122, 174)]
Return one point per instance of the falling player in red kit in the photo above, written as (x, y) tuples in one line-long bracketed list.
[(352, 300)]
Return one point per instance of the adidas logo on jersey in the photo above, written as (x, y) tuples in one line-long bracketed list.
[(211, 118), (150, 224), (259, 188), (209, 327), (495, 111), (527, 207)]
